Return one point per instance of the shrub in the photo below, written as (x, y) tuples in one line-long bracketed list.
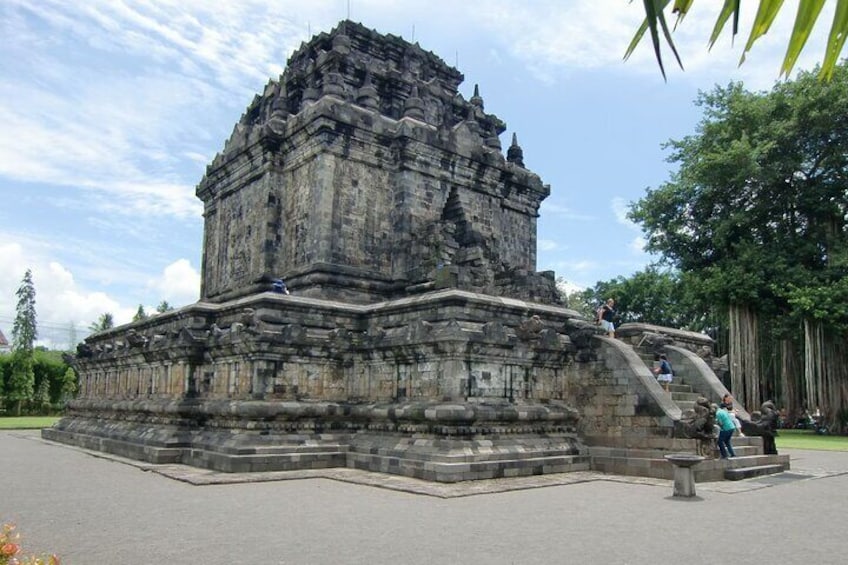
[(11, 552)]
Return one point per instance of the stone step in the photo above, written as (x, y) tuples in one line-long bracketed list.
[(651, 463), (264, 450), (621, 453), (716, 469), (450, 472), (684, 396), (263, 462), (662, 444), (651, 362), (685, 405), (739, 473)]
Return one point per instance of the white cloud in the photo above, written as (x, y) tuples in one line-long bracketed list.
[(620, 207), (102, 135), (179, 283), (61, 302), (581, 33), (619, 210), (550, 208), (14, 268), (122, 103), (225, 42), (569, 287), (106, 131), (583, 266), (547, 245), (555, 38), (637, 245), (579, 273)]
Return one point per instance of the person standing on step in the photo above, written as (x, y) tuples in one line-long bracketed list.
[(726, 427), (727, 402), (606, 314), (664, 373)]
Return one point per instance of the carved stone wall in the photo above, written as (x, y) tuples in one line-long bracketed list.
[(361, 174), (445, 386), (446, 346), (418, 338)]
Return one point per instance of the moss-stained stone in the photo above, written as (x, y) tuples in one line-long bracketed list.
[(418, 339)]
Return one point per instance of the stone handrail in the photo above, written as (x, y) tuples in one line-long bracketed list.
[(702, 377)]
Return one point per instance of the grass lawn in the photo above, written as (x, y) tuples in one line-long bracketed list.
[(27, 422), (807, 439)]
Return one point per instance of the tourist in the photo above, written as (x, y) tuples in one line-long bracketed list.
[(727, 402), (663, 372), (606, 313), (279, 286), (725, 433)]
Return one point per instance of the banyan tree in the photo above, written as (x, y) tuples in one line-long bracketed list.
[(758, 211)]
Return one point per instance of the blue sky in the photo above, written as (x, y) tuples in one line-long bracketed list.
[(111, 110)]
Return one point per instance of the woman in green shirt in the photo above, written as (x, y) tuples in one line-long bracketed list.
[(726, 429)]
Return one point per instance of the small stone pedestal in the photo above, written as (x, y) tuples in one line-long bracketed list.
[(684, 474)]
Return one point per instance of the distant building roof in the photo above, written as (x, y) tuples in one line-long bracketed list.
[(4, 343)]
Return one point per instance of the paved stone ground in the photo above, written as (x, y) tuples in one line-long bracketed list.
[(93, 509)]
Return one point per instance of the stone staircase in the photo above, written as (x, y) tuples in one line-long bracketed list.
[(644, 456), (649, 461)]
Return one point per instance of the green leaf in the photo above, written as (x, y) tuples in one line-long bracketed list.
[(730, 7), (808, 13), (681, 8), (667, 34), (736, 18), (636, 39), (765, 16), (836, 39), (653, 13)]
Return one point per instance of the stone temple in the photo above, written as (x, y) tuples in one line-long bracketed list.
[(418, 339)]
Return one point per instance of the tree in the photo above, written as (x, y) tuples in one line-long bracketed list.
[(164, 307), (21, 382), (41, 396), (50, 367), (104, 322), (140, 314), (652, 296), (24, 330), (808, 13), (757, 213), (69, 384)]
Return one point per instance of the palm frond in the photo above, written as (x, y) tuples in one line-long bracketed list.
[(836, 39), (762, 22), (805, 19), (653, 14), (730, 7), (808, 13)]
